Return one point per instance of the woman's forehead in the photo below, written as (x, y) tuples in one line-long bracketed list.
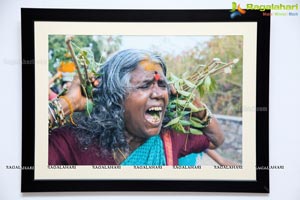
[(146, 71), (150, 66)]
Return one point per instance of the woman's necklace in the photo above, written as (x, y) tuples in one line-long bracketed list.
[(121, 152), (119, 156)]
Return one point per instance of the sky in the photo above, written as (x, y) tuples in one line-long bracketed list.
[(163, 44)]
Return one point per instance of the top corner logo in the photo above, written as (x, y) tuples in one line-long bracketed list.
[(284, 9), (236, 10)]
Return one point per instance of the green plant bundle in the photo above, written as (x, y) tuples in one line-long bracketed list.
[(86, 67), (180, 108), (198, 82)]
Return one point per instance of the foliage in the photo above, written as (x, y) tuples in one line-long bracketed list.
[(226, 98), (100, 46), (181, 108), (225, 92), (86, 53)]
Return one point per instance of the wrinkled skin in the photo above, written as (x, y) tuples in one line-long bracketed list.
[(148, 90)]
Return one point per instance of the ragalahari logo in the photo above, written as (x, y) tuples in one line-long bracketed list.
[(236, 10)]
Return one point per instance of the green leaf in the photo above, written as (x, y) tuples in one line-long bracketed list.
[(201, 90), (184, 93), (195, 119), (207, 82), (185, 74), (170, 114), (97, 75), (189, 83), (87, 61), (196, 124), (171, 106), (213, 85), (178, 127), (177, 86), (194, 108), (89, 107), (200, 82), (84, 53), (195, 131), (173, 77), (89, 89), (181, 102), (173, 121), (184, 122), (183, 113)]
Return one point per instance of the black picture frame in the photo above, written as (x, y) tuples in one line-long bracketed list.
[(30, 16)]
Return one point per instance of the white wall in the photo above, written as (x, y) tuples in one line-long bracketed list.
[(284, 99)]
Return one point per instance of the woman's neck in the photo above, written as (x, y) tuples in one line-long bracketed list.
[(133, 141)]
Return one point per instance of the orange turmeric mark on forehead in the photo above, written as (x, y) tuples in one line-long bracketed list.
[(150, 66)]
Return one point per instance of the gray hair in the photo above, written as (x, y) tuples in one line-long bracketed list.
[(106, 124)]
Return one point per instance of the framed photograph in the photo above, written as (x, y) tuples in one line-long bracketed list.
[(207, 104)]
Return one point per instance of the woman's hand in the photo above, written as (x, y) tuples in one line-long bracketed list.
[(213, 131), (72, 101), (75, 94), (173, 89), (196, 102), (200, 114)]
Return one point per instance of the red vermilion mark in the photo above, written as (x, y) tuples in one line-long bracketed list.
[(156, 76)]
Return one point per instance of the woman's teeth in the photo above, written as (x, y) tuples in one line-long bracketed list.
[(153, 114), (155, 109)]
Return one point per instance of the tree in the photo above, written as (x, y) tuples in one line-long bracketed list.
[(227, 97), (101, 46)]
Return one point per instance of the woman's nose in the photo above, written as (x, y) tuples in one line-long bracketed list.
[(156, 92)]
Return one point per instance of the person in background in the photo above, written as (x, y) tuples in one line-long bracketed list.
[(65, 73), (51, 93)]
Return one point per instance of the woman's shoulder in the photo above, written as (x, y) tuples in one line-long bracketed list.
[(65, 148), (179, 139), (63, 141), (62, 135)]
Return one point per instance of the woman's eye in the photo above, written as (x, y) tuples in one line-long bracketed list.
[(144, 86), (162, 84)]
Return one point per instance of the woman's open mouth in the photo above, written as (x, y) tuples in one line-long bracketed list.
[(153, 115)]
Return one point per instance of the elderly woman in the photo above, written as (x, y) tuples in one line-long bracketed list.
[(126, 124)]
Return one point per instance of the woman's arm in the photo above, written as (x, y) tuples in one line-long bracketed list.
[(63, 106), (213, 131), (219, 159)]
